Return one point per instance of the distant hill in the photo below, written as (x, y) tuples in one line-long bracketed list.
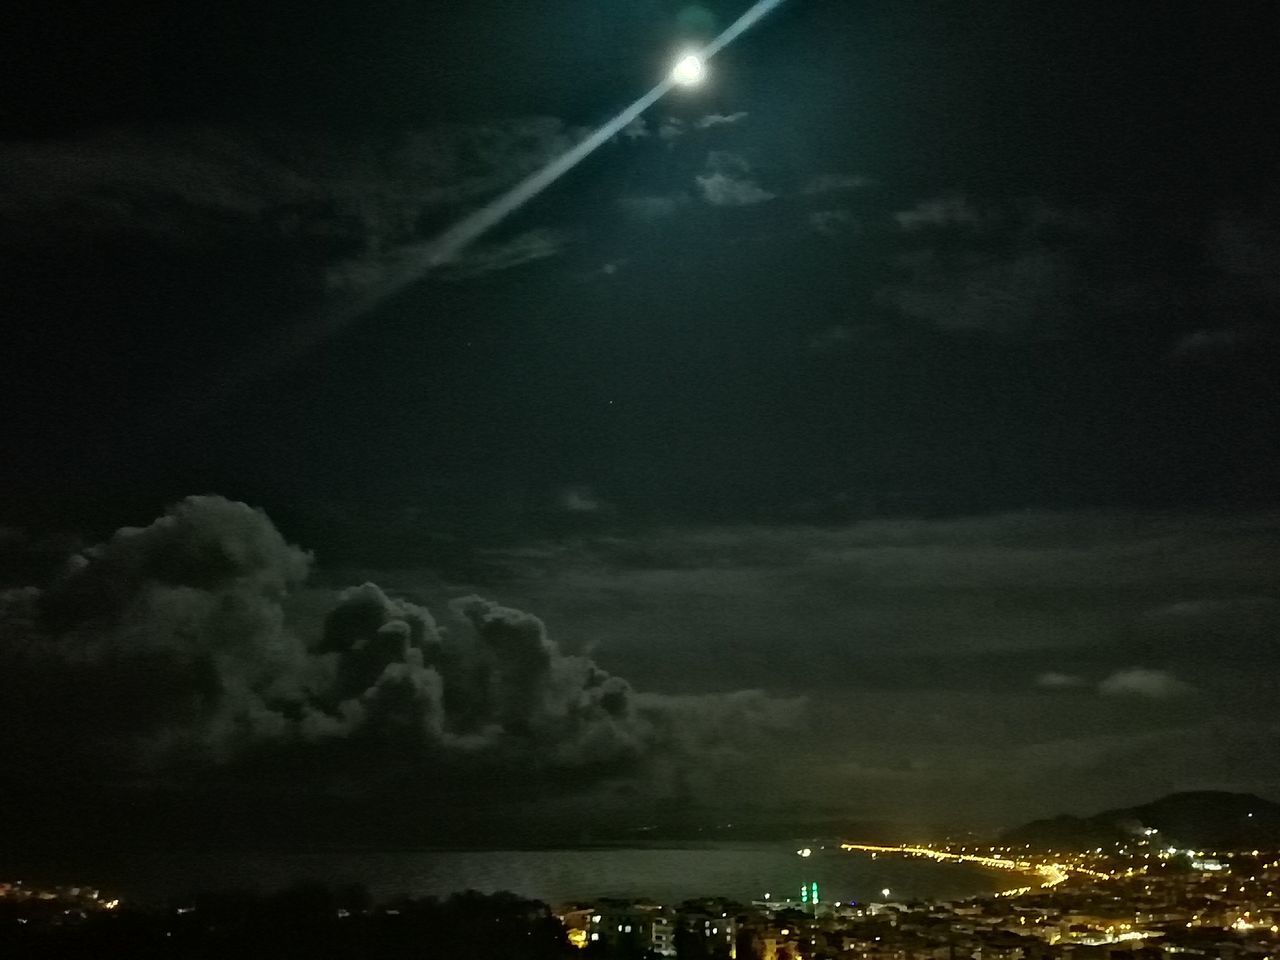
[(1200, 819)]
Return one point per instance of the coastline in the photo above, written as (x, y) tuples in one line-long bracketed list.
[(665, 871)]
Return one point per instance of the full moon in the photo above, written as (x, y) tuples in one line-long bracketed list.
[(690, 71)]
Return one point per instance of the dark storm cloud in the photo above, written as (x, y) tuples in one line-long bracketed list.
[(1019, 269), (125, 180), (173, 646), (947, 655), (366, 203), (1034, 289), (1065, 580)]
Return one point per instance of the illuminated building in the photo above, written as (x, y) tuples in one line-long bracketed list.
[(641, 927), (718, 930)]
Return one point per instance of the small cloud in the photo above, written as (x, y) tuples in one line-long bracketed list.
[(652, 208), (729, 184), (723, 190), (1142, 682), (943, 212), (1031, 289), (1204, 609), (611, 268), (835, 182), (830, 222), (726, 161), (637, 129), (671, 128), (1205, 344), (526, 248), (580, 499), (830, 339), (1059, 681), (720, 120), (1246, 246)]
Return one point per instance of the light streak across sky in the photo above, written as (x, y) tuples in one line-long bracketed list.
[(739, 27), (449, 244)]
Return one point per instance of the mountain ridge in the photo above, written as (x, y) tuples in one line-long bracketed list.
[(1197, 818)]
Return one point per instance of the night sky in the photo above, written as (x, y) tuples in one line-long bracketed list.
[(898, 413)]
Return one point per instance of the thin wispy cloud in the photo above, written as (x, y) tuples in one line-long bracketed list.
[(1143, 682), (720, 120), (1059, 681)]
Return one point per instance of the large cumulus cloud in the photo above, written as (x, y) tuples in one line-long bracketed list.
[(169, 651)]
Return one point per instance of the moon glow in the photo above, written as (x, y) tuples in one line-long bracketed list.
[(690, 71)]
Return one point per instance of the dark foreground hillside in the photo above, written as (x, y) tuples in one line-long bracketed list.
[(306, 922)]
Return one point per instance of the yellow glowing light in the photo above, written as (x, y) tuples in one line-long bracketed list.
[(690, 71)]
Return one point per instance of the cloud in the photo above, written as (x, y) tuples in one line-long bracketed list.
[(1208, 344), (957, 617), (637, 129), (1021, 269), (581, 499), (831, 339), (869, 599), (1037, 288), (671, 128), (175, 647), (1059, 681), (723, 190), (720, 120), (1143, 682), (525, 248), (943, 212), (147, 182), (835, 183), (375, 267), (728, 182), (1247, 246), (830, 222), (652, 207), (152, 179), (1206, 611)]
